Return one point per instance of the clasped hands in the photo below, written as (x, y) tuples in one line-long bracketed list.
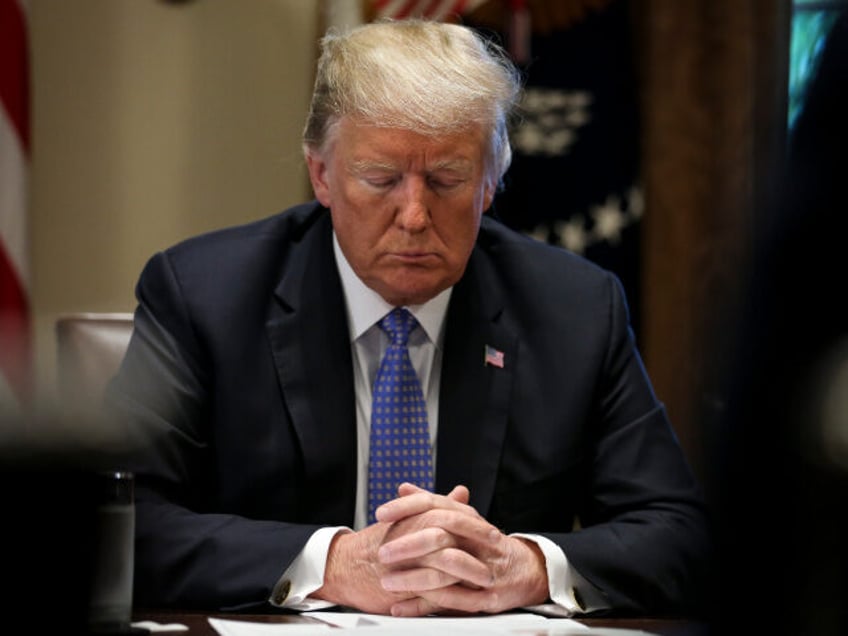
[(432, 554)]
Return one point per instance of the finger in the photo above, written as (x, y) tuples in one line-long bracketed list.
[(415, 606), (451, 599), (416, 580), (440, 569), (460, 493), (418, 502), (415, 545), (440, 529), (409, 489)]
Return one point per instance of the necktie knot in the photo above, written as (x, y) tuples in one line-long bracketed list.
[(398, 324)]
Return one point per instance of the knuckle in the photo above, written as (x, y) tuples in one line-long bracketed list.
[(443, 538), (423, 607), (441, 579), (490, 602), (453, 558)]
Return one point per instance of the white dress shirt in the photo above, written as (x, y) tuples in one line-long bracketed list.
[(368, 343)]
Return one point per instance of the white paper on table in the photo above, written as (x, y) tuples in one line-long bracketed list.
[(554, 628), (153, 626), (346, 623), (360, 623), (497, 622), (226, 627)]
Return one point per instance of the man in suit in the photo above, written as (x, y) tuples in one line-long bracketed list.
[(559, 483)]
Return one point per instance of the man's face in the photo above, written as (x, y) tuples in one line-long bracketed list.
[(406, 208)]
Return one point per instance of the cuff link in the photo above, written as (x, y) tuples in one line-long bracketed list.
[(578, 599), (282, 592)]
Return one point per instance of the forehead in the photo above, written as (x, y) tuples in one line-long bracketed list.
[(358, 142)]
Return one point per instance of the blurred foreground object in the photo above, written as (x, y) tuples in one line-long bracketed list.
[(781, 457)]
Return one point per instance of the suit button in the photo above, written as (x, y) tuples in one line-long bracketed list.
[(282, 592)]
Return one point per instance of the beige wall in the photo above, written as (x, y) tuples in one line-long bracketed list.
[(153, 121)]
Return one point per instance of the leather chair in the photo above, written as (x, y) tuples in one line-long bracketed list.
[(54, 459), (90, 348)]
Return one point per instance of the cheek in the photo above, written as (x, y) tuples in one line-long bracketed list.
[(358, 234), (460, 230)]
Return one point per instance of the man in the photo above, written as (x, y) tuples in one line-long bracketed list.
[(257, 350)]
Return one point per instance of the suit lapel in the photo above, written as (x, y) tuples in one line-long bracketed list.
[(309, 340), (474, 396)]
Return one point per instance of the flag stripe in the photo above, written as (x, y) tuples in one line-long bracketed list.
[(441, 9), (406, 10), (430, 9), (14, 330), (13, 197), (15, 336), (14, 68)]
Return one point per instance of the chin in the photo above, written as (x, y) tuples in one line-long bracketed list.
[(411, 287), (410, 295)]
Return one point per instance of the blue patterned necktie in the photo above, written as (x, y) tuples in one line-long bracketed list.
[(400, 437)]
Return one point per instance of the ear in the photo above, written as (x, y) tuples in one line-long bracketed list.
[(489, 195), (317, 167)]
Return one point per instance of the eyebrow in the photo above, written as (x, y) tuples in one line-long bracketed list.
[(359, 166)]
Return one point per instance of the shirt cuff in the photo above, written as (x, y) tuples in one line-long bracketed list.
[(306, 574), (569, 592)]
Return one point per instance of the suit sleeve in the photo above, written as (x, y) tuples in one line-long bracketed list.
[(187, 553), (644, 535)]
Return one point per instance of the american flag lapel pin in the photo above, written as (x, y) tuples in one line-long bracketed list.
[(493, 357)]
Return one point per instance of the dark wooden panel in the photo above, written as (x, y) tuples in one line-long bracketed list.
[(713, 78)]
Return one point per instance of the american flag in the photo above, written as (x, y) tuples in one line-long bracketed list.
[(349, 13), (15, 355), (494, 357), (430, 9)]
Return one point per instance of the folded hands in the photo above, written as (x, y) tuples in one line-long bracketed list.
[(432, 554)]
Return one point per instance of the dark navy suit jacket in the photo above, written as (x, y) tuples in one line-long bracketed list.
[(239, 376)]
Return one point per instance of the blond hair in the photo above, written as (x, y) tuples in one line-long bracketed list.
[(419, 75)]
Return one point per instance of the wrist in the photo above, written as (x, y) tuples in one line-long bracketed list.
[(537, 584), (336, 571)]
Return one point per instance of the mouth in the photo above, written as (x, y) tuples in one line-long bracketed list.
[(413, 258)]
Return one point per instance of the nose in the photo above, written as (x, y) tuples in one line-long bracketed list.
[(413, 213)]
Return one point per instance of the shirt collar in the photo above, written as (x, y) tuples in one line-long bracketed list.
[(365, 306)]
